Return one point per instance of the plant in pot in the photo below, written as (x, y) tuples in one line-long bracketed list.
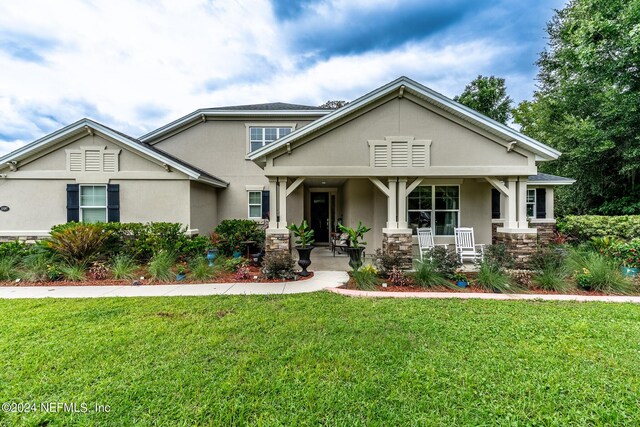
[(461, 279), (181, 272), (212, 253), (356, 244), (304, 239)]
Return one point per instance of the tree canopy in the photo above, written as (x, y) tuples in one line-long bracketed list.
[(588, 104), (333, 105), (487, 95)]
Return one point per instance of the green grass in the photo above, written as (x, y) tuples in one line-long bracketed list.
[(322, 359)]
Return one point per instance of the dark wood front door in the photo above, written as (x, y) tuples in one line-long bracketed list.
[(320, 216)]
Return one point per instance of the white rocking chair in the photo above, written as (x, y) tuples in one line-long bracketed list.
[(465, 245), (425, 241)]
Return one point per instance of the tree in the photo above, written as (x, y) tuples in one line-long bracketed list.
[(487, 95), (333, 105), (587, 104)]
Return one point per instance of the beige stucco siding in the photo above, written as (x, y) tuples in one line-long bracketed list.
[(34, 205), (151, 201), (453, 143), (203, 206)]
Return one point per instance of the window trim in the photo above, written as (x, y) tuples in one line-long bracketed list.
[(248, 127), (433, 209), (81, 207), (249, 204)]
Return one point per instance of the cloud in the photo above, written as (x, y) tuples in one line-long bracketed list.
[(137, 65)]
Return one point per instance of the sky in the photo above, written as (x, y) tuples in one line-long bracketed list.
[(136, 65)]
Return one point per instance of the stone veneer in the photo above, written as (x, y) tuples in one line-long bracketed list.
[(277, 241), (546, 231), (25, 239), (399, 243), (520, 245)]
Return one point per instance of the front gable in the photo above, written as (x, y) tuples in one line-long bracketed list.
[(400, 136)]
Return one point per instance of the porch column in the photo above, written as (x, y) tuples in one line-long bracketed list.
[(277, 235), (522, 202), (282, 196), (510, 218), (402, 203), (392, 198), (273, 203)]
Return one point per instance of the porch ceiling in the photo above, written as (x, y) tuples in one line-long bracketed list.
[(324, 182)]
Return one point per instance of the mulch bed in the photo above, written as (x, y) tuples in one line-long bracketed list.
[(255, 276)]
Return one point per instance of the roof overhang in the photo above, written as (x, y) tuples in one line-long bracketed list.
[(89, 126), (404, 85)]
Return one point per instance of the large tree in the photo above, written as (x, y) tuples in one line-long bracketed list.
[(588, 104), (487, 95)]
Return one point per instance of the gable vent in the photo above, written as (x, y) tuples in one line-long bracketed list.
[(75, 161), (418, 156), (92, 161), (399, 154), (380, 156), (109, 162)]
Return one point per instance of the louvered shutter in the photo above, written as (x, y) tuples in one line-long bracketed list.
[(418, 156), (380, 156), (541, 203), (92, 160), (265, 205), (399, 154), (73, 203), (113, 203)]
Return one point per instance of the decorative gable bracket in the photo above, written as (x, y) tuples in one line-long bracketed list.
[(400, 152)]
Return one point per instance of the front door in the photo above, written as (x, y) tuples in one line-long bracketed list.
[(320, 216)]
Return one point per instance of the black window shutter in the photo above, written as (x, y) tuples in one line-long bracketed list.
[(73, 203), (495, 203), (265, 205), (541, 203), (113, 203)]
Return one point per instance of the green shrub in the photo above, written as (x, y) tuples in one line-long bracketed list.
[(494, 279), (230, 264), (594, 271), (143, 241), (73, 273), (548, 258), (625, 253), (443, 261), (80, 243), (196, 246), (386, 262), (232, 232), (8, 268), (160, 266), (365, 280), (200, 269), (552, 279), (584, 227), (551, 271), (498, 256), (427, 275), (278, 265), (15, 249), (123, 267), (39, 266)]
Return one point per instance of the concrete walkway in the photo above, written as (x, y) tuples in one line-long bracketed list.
[(478, 295), (321, 280)]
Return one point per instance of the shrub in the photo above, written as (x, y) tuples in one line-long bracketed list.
[(364, 279), (39, 266), (160, 266), (443, 261), (493, 278), (498, 256), (548, 258), (551, 279), (98, 271), (584, 227), (195, 246), (80, 243), (427, 275), (123, 267), (143, 241), (397, 277), (232, 232), (627, 254), (550, 266), (594, 271), (15, 249), (230, 264), (278, 265), (242, 272), (200, 269), (386, 262), (73, 273), (8, 268)]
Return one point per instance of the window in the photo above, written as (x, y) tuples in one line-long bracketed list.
[(261, 136), (434, 206), (255, 204), (93, 203), (531, 203)]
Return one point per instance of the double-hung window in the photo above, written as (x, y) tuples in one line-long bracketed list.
[(93, 203), (255, 204), (261, 136), (436, 207), (531, 203)]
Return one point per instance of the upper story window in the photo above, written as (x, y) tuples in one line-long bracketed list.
[(259, 136)]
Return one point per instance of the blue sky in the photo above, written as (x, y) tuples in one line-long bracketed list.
[(136, 65)]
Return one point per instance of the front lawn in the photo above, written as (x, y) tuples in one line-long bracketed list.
[(321, 359)]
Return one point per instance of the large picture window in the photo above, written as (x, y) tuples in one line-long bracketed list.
[(436, 207), (93, 203), (261, 136)]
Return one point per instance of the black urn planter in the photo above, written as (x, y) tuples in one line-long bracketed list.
[(355, 257), (303, 259)]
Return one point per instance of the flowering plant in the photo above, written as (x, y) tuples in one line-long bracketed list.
[(627, 254), (583, 278)]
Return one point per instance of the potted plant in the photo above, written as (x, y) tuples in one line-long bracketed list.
[(181, 272), (212, 253), (461, 279), (356, 244), (304, 235)]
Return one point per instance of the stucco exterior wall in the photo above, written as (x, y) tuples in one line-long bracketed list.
[(203, 205), (147, 201), (34, 205)]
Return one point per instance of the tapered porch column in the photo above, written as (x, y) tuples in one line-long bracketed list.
[(282, 205), (522, 202), (273, 203), (510, 216), (392, 199), (402, 203)]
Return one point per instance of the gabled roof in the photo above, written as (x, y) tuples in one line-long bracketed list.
[(404, 85), (136, 145), (547, 179), (274, 109)]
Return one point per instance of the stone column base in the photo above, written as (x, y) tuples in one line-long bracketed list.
[(277, 241), (398, 242), (546, 230), (520, 245)]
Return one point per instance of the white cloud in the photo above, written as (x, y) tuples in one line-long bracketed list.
[(126, 63)]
